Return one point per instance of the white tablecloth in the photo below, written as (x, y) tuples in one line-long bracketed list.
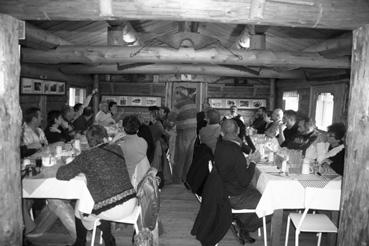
[(279, 192), (75, 188)]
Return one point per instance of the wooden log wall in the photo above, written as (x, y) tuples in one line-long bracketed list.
[(54, 102), (232, 91), (354, 226), (133, 89), (10, 134), (306, 91)]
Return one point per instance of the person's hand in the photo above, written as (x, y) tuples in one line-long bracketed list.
[(255, 157), (282, 127), (324, 168)]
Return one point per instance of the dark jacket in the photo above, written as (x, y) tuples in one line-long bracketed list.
[(338, 162), (199, 170), (232, 167), (215, 214), (145, 133)]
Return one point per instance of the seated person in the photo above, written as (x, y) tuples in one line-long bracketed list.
[(68, 115), (104, 117), (260, 122), (288, 130), (79, 107), (32, 135), (272, 129), (145, 133), (307, 135), (335, 157), (209, 134), (54, 131), (113, 109), (134, 149), (83, 122), (234, 114), (236, 172), (107, 180)]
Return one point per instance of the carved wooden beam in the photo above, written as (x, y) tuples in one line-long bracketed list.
[(105, 54)]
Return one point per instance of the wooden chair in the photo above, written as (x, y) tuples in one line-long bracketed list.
[(131, 219), (320, 223), (242, 211)]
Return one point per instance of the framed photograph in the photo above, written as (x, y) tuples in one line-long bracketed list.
[(153, 101), (241, 103), (257, 103), (134, 101), (231, 102), (217, 103), (42, 87), (244, 103)]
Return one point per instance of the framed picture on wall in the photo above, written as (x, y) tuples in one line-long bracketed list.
[(43, 87), (241, 103), (135, 101), (231, 102), (244, 103)]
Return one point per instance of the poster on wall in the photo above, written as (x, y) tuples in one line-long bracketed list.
[(44, 87), (134, 101), (226, 103)]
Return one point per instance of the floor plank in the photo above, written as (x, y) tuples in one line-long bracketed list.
[(178, 210)]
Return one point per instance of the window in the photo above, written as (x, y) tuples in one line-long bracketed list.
[(76, 95), (324, 110), (291, 100)]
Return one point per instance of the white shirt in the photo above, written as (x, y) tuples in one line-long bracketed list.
[(104, 119), (31, 137)]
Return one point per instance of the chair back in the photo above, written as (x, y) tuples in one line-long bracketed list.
[(140, 171)]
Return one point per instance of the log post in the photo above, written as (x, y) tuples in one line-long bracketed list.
[(10, 133), (354, 221), (96, 96), (272, 95)]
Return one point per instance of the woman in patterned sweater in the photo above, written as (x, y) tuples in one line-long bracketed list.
[(107, 180)]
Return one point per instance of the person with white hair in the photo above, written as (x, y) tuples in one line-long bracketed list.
[(104, 117), (184, 116), (273, 129)]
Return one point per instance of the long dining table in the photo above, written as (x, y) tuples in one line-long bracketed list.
[(281, 192)]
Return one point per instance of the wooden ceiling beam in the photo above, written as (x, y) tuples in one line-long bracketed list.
[(110, 54), (180, 69), (36, 37), (342, 42), (329, 14)]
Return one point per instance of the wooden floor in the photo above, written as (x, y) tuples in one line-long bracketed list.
[(177, 213)]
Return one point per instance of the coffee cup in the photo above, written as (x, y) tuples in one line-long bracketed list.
[(306, 168), (46, 161)]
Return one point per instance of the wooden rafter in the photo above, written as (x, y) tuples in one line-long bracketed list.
[(105, 54), (333, 14)]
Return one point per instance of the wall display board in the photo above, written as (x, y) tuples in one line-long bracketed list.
[(42, 87), (226, 103), (133, 101)]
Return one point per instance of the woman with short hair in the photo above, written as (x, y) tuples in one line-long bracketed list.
[(107, 180)]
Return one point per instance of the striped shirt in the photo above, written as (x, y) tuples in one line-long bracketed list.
[(184, 113)]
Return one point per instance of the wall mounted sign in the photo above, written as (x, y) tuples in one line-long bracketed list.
[(222, 103), (42, 87), (134, 101)]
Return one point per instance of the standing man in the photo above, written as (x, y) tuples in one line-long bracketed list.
[(184, 116)]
